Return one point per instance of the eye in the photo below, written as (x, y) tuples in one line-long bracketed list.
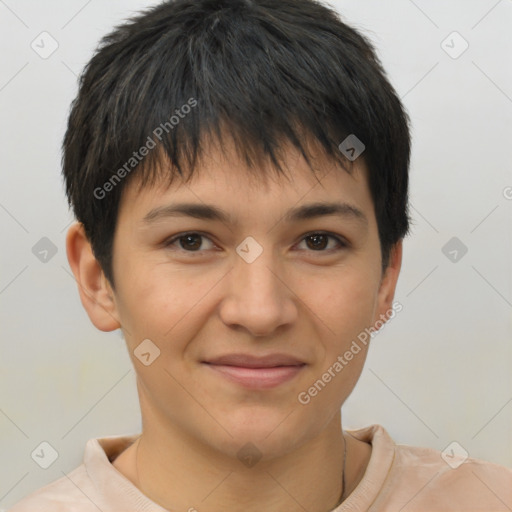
[(319, 241), (189, 242), (316, 242)]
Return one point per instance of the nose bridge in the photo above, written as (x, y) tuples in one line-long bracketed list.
[(256, 281), (257, 298)]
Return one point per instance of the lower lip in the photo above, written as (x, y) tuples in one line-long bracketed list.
[(257, 378)]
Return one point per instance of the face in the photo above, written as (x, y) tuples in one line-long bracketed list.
[(255, 272)]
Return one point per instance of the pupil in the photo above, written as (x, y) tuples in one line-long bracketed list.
[(316, 238), (188, 238)]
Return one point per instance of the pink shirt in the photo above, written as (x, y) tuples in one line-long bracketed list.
[(398, 478)]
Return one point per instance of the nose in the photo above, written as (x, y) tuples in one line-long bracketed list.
[(258, 299)]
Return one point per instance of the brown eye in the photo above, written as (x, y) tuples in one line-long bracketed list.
[(192, 242), (188, 242), (319, 242)]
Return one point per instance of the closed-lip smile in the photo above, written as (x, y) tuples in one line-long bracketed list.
[(257, 372)]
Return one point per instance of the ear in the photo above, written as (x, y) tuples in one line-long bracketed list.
[(95, 291), (388, 283)]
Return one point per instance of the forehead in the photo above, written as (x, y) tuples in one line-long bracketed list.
[(222, 178)]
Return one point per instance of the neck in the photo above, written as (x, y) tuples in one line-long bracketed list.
[(180, 474), (182, 471)]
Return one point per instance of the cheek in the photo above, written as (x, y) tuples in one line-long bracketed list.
[(343, 303), (166, 307)]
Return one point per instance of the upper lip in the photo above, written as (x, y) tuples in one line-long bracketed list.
[(252, 361)]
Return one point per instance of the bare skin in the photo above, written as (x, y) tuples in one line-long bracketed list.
[(298, 297)]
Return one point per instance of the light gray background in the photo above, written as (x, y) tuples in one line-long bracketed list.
[(438, 372)]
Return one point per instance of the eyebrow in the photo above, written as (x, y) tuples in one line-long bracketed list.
[(211, 212)]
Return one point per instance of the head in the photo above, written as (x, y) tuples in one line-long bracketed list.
[(241, 106)]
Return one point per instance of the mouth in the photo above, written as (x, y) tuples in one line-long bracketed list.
[(256, 372)]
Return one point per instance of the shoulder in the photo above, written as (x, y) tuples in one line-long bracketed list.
[(412, 478), (67, 494), (434, 480), (89, 487)]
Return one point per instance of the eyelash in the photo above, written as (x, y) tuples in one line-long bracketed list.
[(342, 244)]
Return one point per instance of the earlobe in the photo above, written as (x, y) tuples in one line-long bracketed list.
[(95, 292)]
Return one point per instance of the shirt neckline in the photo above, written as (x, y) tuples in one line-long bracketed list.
[(377, 470), (119, 493)]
